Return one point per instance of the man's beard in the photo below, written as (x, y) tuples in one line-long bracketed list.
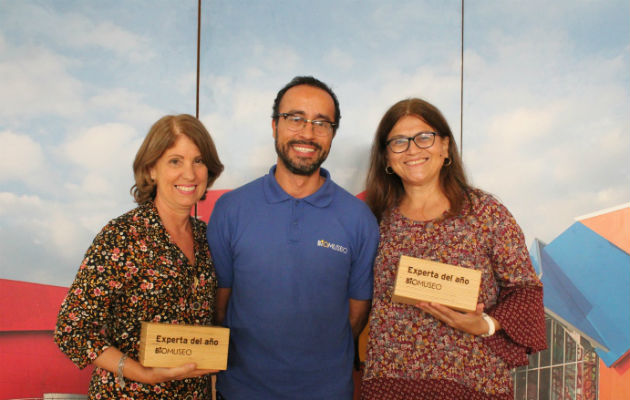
[(303, 168)]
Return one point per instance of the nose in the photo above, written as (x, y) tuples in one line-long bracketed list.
[(413, 148), (189, 171), (308, 131)]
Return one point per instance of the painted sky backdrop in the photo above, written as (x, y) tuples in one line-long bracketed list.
[(546, 120)]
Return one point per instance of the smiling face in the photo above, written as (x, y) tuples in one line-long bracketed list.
[(302, 152), (417, 167), (180, 176)]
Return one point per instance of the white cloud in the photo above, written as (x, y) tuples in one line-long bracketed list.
[(46, 65), (20, 156), (247, 106), (254, 73), (104, 34), (94, 184), (76, 30), (99, 167), (340, 59), (43, 240), (60, 230), (48, 226), (263, 156), (10, 203), (102, 147), (521, 126), (280, 60), (546, 127), (35, 81), (127, 105), (240, 124)]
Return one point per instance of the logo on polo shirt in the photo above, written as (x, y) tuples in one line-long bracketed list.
[(336, 247)]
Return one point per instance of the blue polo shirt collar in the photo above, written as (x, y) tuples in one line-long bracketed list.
[(275, 194)]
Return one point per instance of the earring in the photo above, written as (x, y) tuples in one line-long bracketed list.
[(389, 170), (447, 162)]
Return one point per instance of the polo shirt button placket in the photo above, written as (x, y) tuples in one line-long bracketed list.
[(294, 228)]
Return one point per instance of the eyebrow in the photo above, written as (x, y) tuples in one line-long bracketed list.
[(179, 155), (409, 137), (317, 117)]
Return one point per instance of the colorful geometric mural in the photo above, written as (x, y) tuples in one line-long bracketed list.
[(586, 276)]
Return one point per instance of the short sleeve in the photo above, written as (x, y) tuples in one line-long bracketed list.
[(219, 240), (362, 275)]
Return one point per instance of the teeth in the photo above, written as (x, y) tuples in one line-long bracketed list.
[(416, 162), (185, 188), (304, 149)]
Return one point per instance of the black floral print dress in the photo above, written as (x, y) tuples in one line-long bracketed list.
[(134, 272)]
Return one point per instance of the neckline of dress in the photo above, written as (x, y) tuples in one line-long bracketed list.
[(408, 220)]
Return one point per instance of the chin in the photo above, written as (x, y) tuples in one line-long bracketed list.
[(189, 202)]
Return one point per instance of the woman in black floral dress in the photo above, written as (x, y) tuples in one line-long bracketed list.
[(150, 264)]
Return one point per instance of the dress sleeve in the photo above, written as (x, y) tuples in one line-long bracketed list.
[(521, 314), (519, 305), (218, 235), (85, 311)]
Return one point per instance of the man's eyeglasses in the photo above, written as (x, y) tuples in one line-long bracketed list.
[(296, 123), (423, 140)]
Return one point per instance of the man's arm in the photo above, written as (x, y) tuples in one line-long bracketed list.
[(359, 310), (219, 239), (223, 296)]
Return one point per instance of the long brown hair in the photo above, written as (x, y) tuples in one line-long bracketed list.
[(161, 137), (383, 190)]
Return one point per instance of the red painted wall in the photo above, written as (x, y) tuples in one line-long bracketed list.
[(32, 365), (205, 207)]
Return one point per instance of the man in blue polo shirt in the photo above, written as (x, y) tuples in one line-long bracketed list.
[(293, 253)]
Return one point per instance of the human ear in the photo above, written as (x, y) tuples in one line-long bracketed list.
[(445, 143), (274, 128)]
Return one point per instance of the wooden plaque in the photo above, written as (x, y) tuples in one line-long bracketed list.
[(422, 280), (171, 345)]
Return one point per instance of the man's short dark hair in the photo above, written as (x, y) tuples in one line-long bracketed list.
[(310, 81)]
